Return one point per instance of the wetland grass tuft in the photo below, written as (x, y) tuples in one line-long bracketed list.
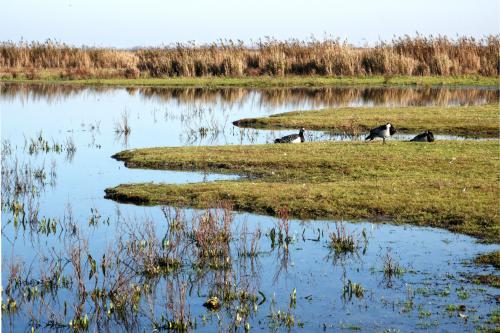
[(391, 268), (351, 289), (341, 240), (122, 126), (492, 258)]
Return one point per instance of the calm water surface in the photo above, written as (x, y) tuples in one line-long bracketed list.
[(69, 186)]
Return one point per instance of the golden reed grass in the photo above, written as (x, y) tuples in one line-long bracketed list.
[(402, 56)]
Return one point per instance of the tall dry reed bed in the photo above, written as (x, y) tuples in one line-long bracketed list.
[(402, 56)]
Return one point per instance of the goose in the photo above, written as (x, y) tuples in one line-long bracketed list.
[(383, 131), (427, 136), (292, 138)]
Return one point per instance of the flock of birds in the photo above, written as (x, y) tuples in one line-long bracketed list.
[(383, 132)]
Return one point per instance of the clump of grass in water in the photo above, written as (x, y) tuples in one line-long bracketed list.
[(180, 318), (150, 255), (123, 126), (211, 233), (351, 289), (70, 148), (286, 318), (280, 234), (252, 249), (40, 144), (341, 240), (391, 268)]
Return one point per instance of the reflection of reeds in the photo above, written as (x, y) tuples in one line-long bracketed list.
[(402, 56), (293, 98)]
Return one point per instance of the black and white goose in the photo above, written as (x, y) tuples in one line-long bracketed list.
[(292, 138), (383, 132), (427, 136)]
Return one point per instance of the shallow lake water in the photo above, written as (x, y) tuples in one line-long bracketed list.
[(59, 140)]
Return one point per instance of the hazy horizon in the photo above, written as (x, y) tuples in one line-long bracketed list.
[(128, 24)]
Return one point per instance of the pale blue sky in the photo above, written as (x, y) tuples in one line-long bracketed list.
[(128, 23)]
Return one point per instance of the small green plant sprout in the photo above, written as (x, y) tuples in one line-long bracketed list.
[(351, 289), (10, 306), (293, 298), (272, 237), (423, 313), (47, 226), (79, 323), (462, 293), (95, 217)]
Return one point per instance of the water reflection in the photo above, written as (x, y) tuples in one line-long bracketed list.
[(294, 98)]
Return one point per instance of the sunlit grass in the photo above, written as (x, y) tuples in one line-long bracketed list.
[(478, 120), (448, 184)]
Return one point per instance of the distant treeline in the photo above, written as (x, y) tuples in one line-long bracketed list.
[(402, 56)]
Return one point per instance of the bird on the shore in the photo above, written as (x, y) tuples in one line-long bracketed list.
[(383, 132), (427, 136), (292, 138)]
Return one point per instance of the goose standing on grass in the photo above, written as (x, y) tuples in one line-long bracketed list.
[(383, 132), (427, 136), (292, 138)]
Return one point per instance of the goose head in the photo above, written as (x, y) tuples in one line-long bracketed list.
[(391, 128), (430, 136)]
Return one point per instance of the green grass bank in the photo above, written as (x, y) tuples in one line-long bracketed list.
[(447, 184), (48, 76), (480, 121)]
